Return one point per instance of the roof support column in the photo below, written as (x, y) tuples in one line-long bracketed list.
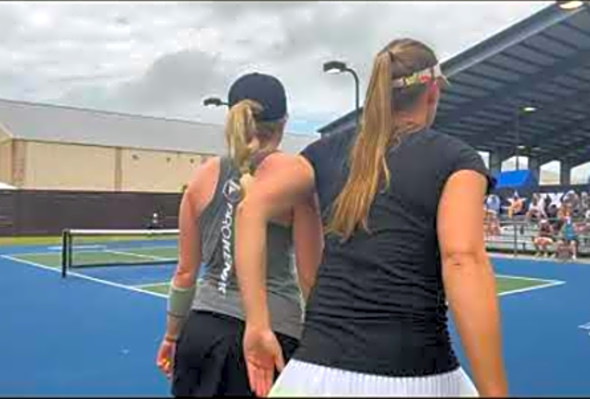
[(496, 159), (565, 172), (535, 166)]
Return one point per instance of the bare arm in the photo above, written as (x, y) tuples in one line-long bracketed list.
[(280, 183), (309, 242), (469, 279), (184, 277), (189, 253)]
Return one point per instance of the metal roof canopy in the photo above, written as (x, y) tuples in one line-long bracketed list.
[(542, 61)]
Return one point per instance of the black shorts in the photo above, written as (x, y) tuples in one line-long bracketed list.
[(209, 360)]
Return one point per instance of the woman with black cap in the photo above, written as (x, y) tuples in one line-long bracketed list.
[(402, 206), (202, 346)]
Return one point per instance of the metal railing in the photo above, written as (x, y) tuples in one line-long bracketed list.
[(516, 236)]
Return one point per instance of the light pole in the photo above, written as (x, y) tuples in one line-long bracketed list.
[(340, 67), (518, 146), (214, 102)]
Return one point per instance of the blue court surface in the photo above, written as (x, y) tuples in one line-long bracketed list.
[(96, 332)]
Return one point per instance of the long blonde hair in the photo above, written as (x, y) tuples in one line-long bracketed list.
[(379, 129), (245, 136)]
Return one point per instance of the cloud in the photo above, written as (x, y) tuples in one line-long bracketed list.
[(163, 58), (174, 78)]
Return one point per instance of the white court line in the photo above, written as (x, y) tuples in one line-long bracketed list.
[(579, 261), (515, 277), (34, 253), (82, 276), (536, 287), (152, 257), (101, 249), (143, 286), (79, 247), (548, 283), (139, 290)]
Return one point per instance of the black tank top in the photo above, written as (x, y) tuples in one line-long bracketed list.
[(378, 305)]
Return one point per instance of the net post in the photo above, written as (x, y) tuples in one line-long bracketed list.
[(515, 238), (64, 252), (70, 249)]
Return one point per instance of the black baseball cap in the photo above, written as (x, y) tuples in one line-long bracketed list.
[(266, 90)]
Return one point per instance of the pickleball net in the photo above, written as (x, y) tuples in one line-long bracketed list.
[(83, 248)]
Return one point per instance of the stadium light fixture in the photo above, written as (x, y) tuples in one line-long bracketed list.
[(333, 67), (214, 102), (520, 110), (570, 5), (528, 109)]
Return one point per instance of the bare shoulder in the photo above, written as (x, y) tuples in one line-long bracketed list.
[(203, 180), (284, 164), (204, 170), (282, 178)]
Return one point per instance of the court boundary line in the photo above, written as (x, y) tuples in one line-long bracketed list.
[(536, 287), (141, 288), (152, 257), (84, 277), (93, 250), (514, 276), (59, 248), (523, 257)]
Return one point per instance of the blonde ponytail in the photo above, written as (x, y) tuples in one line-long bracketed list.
[(368, 166), (380, 129), (241, 137)]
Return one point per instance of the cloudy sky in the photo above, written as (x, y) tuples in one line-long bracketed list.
[(162, 59)]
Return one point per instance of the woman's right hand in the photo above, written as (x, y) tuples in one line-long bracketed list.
[(263, 354)]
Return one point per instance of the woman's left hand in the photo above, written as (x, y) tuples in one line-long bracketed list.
[(165, 357)]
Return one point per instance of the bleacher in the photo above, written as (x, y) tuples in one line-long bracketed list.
[(516, 236)]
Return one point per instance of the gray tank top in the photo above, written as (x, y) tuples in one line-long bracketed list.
[(218, 290)]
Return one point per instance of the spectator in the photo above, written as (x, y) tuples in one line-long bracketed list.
[(567, 200), (565, 210), (584, 228), (536, 211), (568, 243), (576, 206), (154, 221), (492, 210), (584, 202), (491, 222), (553, 216), (516, 205), (493, 204), (544, 238), (546, 203)]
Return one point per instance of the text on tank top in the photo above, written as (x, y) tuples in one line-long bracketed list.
[(218, 289)]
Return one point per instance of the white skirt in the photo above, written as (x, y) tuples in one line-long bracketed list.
[(306, 379)]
